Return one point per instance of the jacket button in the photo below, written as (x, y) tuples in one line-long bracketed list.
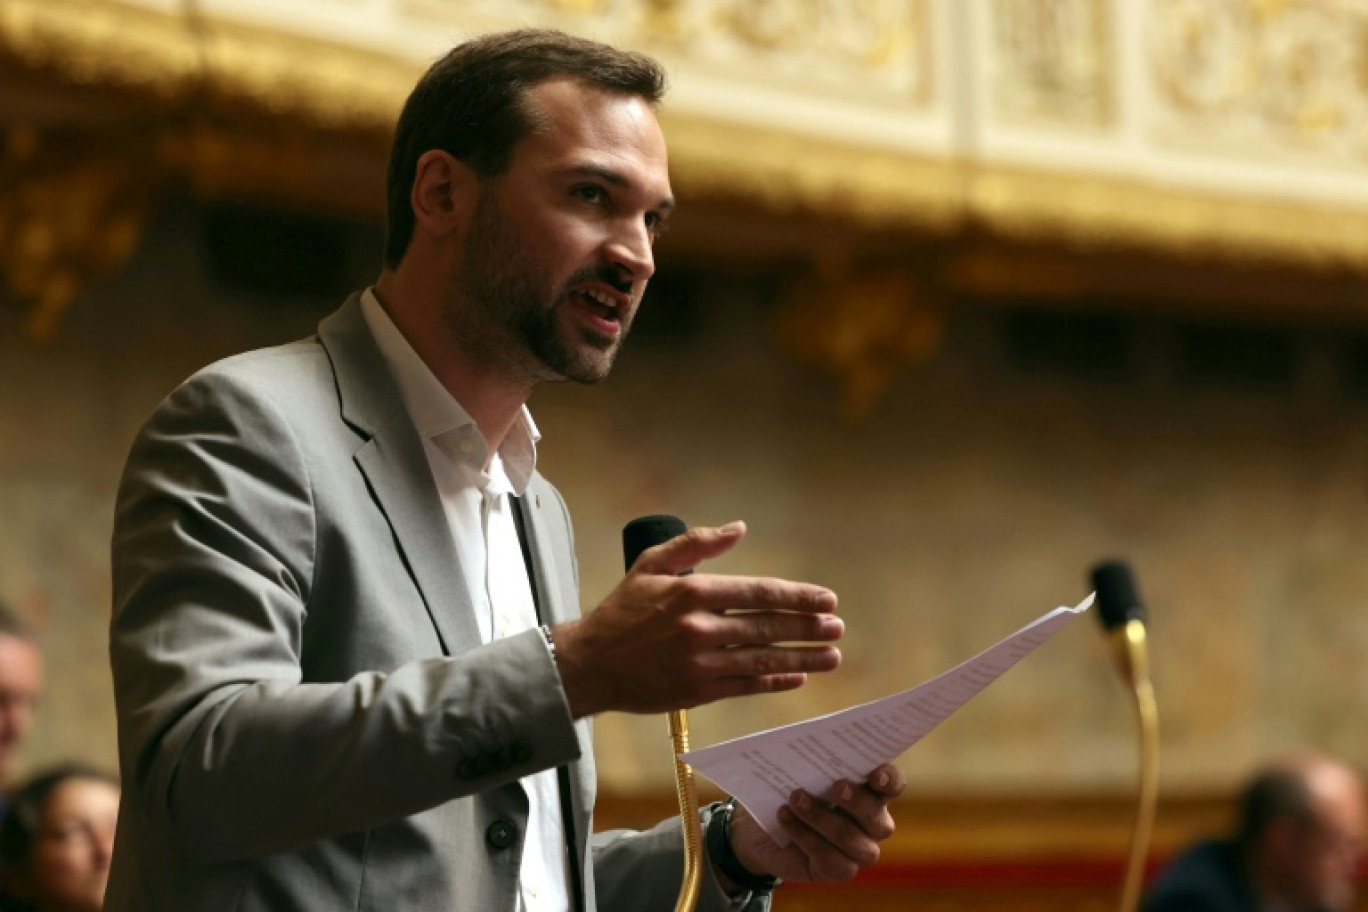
[(501, 834)]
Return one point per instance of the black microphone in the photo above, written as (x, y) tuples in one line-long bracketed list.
[(1118, 601), (647, 532)]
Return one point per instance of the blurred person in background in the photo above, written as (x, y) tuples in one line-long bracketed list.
[(21, 679), (56, 840), (1296, 848)]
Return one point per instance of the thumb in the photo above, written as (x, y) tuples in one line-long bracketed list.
[(684, 552)]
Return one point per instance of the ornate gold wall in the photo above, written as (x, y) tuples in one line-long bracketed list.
[(893, 170), (1212, 128)]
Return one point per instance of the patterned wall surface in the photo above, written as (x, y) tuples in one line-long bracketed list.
[(964, 506), (1227, 126), (1167, 84), (973, 499), (1052, 63), (1271, 80)]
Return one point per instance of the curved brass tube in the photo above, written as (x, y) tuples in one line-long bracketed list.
[(688, 814), (1134, 659)]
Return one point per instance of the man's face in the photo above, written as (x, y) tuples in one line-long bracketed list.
[(69, 866), (560, 245), (1328, 847), (21, 678)]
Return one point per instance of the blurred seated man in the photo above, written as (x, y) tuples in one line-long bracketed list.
[(1296, 848), (21, 677), (56, 840)]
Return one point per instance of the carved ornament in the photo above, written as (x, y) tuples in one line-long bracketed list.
[(67, 216), (1278, 73), (861, 328), (1053, 61)]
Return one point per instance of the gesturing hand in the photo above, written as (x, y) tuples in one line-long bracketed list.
[(662, 642), (834, 835)]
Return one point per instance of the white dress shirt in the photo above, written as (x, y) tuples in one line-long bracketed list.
[(476, 487)]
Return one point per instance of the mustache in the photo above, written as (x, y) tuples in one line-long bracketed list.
[(608, 275)]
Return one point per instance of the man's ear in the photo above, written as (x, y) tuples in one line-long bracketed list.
[(444, 193)]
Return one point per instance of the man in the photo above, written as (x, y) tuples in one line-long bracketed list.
[(21, 680), (1296, 848), (349, 664)]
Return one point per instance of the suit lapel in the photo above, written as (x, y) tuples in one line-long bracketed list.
[(396, 469), (550, 607)]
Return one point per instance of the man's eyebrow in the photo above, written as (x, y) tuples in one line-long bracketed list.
[(617, 179)]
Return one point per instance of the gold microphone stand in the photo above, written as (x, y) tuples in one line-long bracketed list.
[(688, 814), (1132, 655)]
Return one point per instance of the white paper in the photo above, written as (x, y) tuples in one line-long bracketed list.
[(763, 769)]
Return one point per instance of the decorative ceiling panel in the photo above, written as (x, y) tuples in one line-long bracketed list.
[(1229, 127), (1282, 83)]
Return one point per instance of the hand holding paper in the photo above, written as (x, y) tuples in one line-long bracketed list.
[(763, 769)]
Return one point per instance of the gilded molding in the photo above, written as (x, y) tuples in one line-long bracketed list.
[(860, 49), (874, 35), (885, 191), (91, 43), (1287, 75), (1053, 61), (283, 76), (202, 62), (793, 174), (1098, 212), (225, 88)]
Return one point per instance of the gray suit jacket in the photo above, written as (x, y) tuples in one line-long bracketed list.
[(307, 716)]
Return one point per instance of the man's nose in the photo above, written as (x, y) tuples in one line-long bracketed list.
[(102, 846), (631, 250)]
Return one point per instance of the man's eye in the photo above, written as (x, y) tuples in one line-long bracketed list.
[(590, 194)]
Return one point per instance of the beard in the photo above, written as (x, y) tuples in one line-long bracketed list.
[(511, 309)]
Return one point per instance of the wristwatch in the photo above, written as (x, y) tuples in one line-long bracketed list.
[(718, 841)]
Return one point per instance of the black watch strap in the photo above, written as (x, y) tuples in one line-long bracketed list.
[(718, 841)]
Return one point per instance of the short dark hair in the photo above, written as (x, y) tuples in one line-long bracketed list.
[(24, 814), (1274, 794), (11, 624), (470, 104)]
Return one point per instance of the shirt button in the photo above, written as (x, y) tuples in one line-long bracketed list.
[(501, 834), (466, 445)]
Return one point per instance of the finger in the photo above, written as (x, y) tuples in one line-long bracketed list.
[(829, 859), (757, 593), (684, 552), (887, 780), (765, 628), (869, 809), (838, 829), (687, 551), (763, 661), (735, 686)]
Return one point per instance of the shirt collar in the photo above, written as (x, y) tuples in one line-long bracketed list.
[(435, 411)]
